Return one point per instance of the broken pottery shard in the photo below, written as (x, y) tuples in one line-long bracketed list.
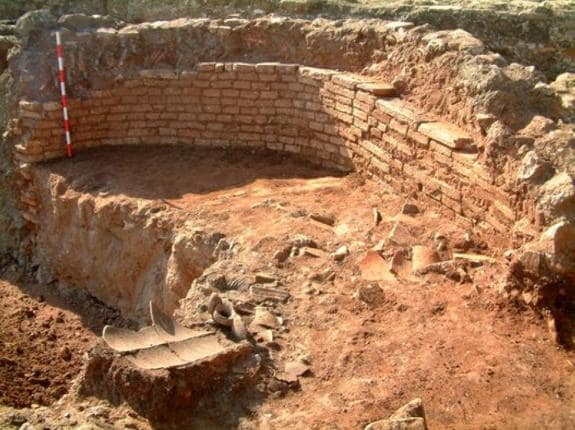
[(321, 225), (263, 319), (261, 293), (238, 327), (158, 357), (374, 268), (314, 252), (400, 235), (124, 340), (423, 256), (476, 258), (165, 344), (397, 262), (446, 134), (195, 349), (169, 329), (264, 278), (323, 218)]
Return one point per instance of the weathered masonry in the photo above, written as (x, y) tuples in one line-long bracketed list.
[(335, 119)]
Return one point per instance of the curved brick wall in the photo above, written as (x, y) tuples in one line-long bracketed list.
[(335, 119)]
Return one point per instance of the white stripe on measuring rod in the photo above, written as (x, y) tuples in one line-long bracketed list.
[(58, 40), (60, 64), (68, 138), (65, 110), (63, 88)]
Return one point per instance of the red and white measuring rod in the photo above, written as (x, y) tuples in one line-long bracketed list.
[(64, 97)]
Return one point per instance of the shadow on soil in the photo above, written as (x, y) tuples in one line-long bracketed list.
[(170, 172)]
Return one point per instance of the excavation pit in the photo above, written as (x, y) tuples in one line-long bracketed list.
[(368, 226)]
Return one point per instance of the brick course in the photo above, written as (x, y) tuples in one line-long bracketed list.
[(332, 118)]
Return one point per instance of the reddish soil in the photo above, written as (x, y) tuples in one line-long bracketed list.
[(477, 360), (42, 341)]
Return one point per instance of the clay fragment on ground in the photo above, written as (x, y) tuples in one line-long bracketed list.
[(165, 344), (400, 235), (379, 89), (262, 293), (323, 218), (422, 257), (313, 252), (264, 278)]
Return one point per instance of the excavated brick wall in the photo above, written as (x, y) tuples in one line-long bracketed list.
[(335, 119)]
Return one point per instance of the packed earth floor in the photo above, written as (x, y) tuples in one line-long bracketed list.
[(373, 339)]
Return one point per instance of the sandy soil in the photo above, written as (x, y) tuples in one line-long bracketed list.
[(476, 360)]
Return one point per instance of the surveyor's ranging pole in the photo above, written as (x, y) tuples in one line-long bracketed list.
[(62, 79)]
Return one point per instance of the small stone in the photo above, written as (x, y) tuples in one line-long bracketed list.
[(341, 253), (66, 354), (283, 254), (533, 168), (485, 120), (398, 424), (297, 368), (538, 126), (557, 196), (409, 417), (409, 209), (371, 294), (376, 217)]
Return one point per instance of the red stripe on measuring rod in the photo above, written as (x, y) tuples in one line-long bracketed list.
[(63, 98)]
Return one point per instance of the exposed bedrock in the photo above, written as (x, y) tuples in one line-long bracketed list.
[(123, 254)]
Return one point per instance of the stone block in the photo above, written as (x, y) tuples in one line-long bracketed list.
[(206, 67), (378, 89), (347, 81), (400, 110), (447, 134)]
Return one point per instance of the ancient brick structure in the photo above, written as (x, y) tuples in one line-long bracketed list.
[(335, 119)]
